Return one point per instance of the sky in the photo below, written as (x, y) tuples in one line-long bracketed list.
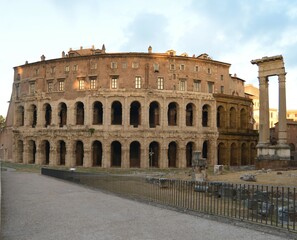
[(232, 31)]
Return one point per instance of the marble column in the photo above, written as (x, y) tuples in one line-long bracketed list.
[(282, 115), (264, 111)]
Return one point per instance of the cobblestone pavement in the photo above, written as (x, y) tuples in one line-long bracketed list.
[(37, 207)]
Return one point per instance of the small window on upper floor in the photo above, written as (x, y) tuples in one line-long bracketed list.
[(210, 87), (209, 70), (222, 89), (222, 77), (160, 83), (182, 67), (182, 85), (19, 76), (135, 65), (137, 82), (32, 88), (113, 65), (53, 69), (67, 68), (50, 86), (93, 66), (81, 84), (197, 85), (75, 67), (172, 67), (124, 65), (196, 68), (36, 71), (114, 82), (156, 67), (93, 83), (61, 85)]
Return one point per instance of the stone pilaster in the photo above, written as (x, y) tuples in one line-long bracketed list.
[(282, 119), (53, 154)]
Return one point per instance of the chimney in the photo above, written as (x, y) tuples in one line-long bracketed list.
[(63, 54), (103, 48), (42, 57), (150, 49), (81, 47)]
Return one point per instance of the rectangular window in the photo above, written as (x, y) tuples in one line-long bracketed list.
[(222, 77), (93, 82), (67, 69), (124, 65), (182, 67), (114, 82), (137, 82), (61, 85), (113, 65), (81, 84), (209, 71), (36, 71), (135, 65), (172, 67), (156, 67), (196, 68), (32, 88), (182, 85), (222, 89), (93, 65), (17, 91), (160, 83), (210, 87), (53, 69), (197, 86), (50, 86), (75, 67)]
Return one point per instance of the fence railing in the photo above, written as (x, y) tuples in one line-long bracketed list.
[(269, 205)]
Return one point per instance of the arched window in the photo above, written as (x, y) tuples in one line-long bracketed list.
[(116, 154), (221, 117), (172, 155), (47, 114), (116, 113), (135, 154), (205, 115), (232, 118), (189, 114), (154, 114), (79, 153), (243, 119), (154, 151), (62, 114), (20, 116), (97, 153), (172, 114), (135, 114), (97, 113), (80, 113)]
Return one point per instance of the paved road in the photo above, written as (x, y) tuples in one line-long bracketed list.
[(37, 207)]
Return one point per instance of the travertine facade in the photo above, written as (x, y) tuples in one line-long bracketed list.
[(92, 108)]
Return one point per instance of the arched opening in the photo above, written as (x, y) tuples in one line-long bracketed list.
[(45, 152), (253, 152), (154, 151), (221, 117), (243, 119), (222, 154), (135, 114), (80, 113), (62, 114), (20, 151), (205, 115), (97, 153), (205, 149), (32, 115), (244, 154), (292, 150), (79, 153), (20, 116), (135, 154), (61, 152), (189, 153), (233, 155), (154, 114), (172, 114), (189, 114), (232, 118), (116, 113), (48, 114), (172, 155), (32, 152), (116, 154), (97, 113)]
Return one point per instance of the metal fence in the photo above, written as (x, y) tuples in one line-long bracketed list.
[(269, 205)]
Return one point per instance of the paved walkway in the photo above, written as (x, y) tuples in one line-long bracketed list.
[(37, 207)]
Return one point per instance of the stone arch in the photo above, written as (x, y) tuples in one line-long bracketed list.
[(232, 117), (20, 116), (233, 155), (80, 113), (47, 114), (244, 154), (79, 153), (135, 154), (154, 114), (116, 113), (31, 152), (221, 117), (61, 150), (97, 113), (62, 108), (205, 149), (222, 154), (154, 154), (243, 118), (116, 154), (172, 114), (172, 154), (135, 114), (190, 113), (20, 151), (45, 152), (97, 153), (189, 153), (292, 150), (32, 112), (206, 115)]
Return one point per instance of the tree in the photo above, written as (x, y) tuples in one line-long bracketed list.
[(2, 122)]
